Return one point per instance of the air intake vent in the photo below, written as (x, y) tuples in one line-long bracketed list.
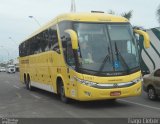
[(97, 12)]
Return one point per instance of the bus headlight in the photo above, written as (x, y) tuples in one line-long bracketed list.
[(88, 83), (138, 79)]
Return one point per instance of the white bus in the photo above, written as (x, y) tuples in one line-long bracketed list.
[(11, 69)]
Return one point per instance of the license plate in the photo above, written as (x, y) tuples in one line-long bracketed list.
[(115, 93)]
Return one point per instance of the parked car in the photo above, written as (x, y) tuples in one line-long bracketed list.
[(151, 84), (2, 69)]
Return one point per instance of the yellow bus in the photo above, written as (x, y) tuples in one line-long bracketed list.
[(83, 56)]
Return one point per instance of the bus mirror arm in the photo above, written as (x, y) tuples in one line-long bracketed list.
[(74, 41), (145, 36)]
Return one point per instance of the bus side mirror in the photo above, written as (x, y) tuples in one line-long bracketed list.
[(146, 37), (74, 38)]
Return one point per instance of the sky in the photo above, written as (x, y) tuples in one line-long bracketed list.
[(15, 25)]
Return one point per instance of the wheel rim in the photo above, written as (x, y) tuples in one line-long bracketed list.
[(151, 93)]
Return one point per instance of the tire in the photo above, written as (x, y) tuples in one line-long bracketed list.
[(62, 93), (28, 84), (152, 93), (112, 100)]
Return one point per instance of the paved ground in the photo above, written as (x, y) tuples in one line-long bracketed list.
[(16, 101)]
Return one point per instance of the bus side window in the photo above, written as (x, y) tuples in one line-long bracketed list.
[(53, 44), (67, 50)]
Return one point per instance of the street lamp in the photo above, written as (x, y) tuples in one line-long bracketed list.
[(32, 17)]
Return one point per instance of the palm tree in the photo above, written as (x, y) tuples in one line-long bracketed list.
[(158, 14), (127, 15)]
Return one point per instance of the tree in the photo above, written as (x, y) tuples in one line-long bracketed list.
[(127, 15)]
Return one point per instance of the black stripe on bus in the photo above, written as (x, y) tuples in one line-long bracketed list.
[(155, 49), (154, 66), (156, 32)]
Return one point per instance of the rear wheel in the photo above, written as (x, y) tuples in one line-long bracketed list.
[(152, 93), (28, 84)]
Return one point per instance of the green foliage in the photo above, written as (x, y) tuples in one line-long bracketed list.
[(127, 15), (2, 65)]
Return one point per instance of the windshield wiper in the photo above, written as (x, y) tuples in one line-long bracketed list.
[(121, 57), (107, 57)]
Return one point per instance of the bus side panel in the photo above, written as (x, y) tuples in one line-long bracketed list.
[(24, 61)]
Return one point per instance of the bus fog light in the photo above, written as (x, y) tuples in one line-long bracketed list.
[(87, 93), (138, 89)]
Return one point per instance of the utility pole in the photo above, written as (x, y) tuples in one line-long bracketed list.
[(73, 6)]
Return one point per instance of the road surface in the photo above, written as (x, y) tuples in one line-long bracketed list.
[(17, 101)]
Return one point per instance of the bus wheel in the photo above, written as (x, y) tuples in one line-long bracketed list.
[(62, 93), (112, 100), (152, 93), (28, 84)]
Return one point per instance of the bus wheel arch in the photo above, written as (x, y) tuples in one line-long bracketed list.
[(61, 90)]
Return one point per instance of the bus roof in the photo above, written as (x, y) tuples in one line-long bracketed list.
[(81, 17), (91, 17)]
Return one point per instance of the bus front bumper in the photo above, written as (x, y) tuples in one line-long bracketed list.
[(86, 93)]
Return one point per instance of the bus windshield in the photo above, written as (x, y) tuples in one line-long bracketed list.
[(106, 48)]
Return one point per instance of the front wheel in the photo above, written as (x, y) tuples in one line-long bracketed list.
[(62, 93), (152, 93), (112, 100)]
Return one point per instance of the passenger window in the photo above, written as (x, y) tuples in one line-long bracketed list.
[(53, 43)]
